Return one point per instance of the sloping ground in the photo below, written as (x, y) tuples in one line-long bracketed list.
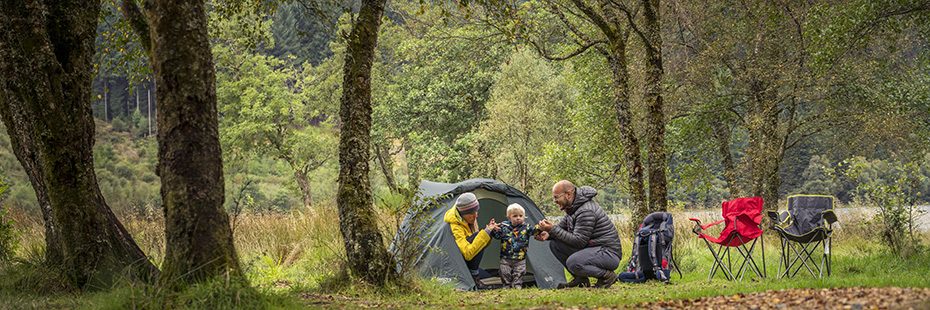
[(832, 298)]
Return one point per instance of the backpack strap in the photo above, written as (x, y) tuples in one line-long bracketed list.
[(631, 267)]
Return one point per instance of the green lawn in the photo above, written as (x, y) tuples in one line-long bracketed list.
[(307, 275)]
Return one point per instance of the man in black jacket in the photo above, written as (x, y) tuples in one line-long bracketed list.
[(585, 241)]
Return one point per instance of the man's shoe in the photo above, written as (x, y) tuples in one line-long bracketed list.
[(607, 280), (576, 282)]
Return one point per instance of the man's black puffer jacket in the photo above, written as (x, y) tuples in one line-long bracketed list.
[(586, 224)]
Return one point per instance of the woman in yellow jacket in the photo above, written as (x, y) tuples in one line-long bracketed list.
[(462, 219)]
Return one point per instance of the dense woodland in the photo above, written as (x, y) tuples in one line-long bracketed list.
[(671, 104), (455, 98)]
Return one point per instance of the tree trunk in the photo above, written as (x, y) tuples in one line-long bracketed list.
[(303, 182), (127, 102), (722, 133), (48, 73), (367, 256), (628, 139), (655, 120), (106, 100), (148, 96), (199, 242), (387, 165), (762, 154), (413, 172)]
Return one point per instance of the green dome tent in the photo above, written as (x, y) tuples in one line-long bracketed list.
[(435, 251)]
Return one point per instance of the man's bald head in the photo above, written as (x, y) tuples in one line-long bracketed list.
[(563, 186), (563, 193)]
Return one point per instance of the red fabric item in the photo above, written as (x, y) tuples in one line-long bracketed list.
[(742, 216)]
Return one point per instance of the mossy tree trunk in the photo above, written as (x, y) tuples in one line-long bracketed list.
[(764, 149), (722, 134), (199, 242), (655, 117), (46, 52), (383, 156), (628, 140), (303, 182), (367, 256)]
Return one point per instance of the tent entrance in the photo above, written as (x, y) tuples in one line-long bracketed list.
[(495, 207)]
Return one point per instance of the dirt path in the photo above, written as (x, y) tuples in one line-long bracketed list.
[(832, 298)]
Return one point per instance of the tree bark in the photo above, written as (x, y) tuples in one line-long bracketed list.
[(387, 166), (655, 120), (763, 149), (199, 242), (303, 182), (367, 256), (722, 133), (45, 102), (628, 140), (106, 100)]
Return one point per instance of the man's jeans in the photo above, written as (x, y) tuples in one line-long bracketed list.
[(594, 261)]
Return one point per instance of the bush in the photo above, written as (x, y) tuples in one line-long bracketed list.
[(898, 211), (9, 238), (407, 240)]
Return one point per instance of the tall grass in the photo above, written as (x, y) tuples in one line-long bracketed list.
[(290, 258)]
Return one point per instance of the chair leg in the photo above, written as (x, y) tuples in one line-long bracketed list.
[(764, 272), (806, 255), (749, 261), (717, 262), (729, 262), (781, 259), (755, 266), (829, 254), (675, 264), (746, 254)]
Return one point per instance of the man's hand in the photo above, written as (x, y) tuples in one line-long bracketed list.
[(543, 236), (545, 225)]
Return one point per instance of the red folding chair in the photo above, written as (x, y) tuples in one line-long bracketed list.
[(743, 226)]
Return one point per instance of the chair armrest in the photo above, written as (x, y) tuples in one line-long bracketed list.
[(773, 215), (829, 216), (697, 226), (698, 223), (779, 219)]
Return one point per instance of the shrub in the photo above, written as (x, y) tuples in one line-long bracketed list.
[(407, 238), (9, 238), (898, 212)]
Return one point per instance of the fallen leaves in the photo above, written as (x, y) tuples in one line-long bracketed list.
[(832, 298)]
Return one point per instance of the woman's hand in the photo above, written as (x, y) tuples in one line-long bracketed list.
[(492, 226)]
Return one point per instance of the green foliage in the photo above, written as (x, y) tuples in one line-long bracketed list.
[(9, 237), (302, 36), (125, 169), (264, 109), (430, 93), (528, 101), (896, 200), (820, 177), (409, 217), (587, 149), (839, 29)]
